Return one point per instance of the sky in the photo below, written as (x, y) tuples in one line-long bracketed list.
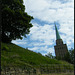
[(42, 36)]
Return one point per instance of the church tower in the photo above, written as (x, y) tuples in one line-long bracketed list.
[(60, 48)]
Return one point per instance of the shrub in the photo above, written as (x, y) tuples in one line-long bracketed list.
[(5, 48)]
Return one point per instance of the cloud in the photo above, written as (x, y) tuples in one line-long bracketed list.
[(43, 50), (61, 12), (49, 10), (42, 37), (19, 42), (43, 33), (38, 5)]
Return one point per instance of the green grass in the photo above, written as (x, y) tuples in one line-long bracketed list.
[(13, 55)]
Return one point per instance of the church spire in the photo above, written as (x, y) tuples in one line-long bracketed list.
[(57, 33), (60, 48)]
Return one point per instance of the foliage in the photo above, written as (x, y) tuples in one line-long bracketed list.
[(39, 53), (5, 48), (69, 57), (15, 21), (18, 56), (49, 55)]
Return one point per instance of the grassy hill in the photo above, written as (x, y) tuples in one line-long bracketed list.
[(13, 55)]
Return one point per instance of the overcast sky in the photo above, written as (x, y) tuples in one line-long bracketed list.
[(42, 37)]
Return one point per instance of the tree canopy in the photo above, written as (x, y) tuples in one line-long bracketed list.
[(49, 55), (15, 21), (69, 57)]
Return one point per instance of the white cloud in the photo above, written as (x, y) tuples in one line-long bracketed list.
[(43, 33), (42, 49), (49, 11), (19, 42), (37, 5), (34, 48)]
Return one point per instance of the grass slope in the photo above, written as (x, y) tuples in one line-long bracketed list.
[(13, 55)]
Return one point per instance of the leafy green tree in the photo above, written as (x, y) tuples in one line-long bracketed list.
[(69, 57), (39, 53), (15, 21), (49, 55), (71, 52)]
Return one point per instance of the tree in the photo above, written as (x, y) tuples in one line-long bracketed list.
[(49, 55), (69, 57), (71, 52), (15, 21)]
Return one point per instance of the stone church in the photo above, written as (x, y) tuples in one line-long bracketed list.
[(60, 47)]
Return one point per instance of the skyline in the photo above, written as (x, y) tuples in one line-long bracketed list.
[(42, 36)]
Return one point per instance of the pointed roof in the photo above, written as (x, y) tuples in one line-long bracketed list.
[(57, 33)]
